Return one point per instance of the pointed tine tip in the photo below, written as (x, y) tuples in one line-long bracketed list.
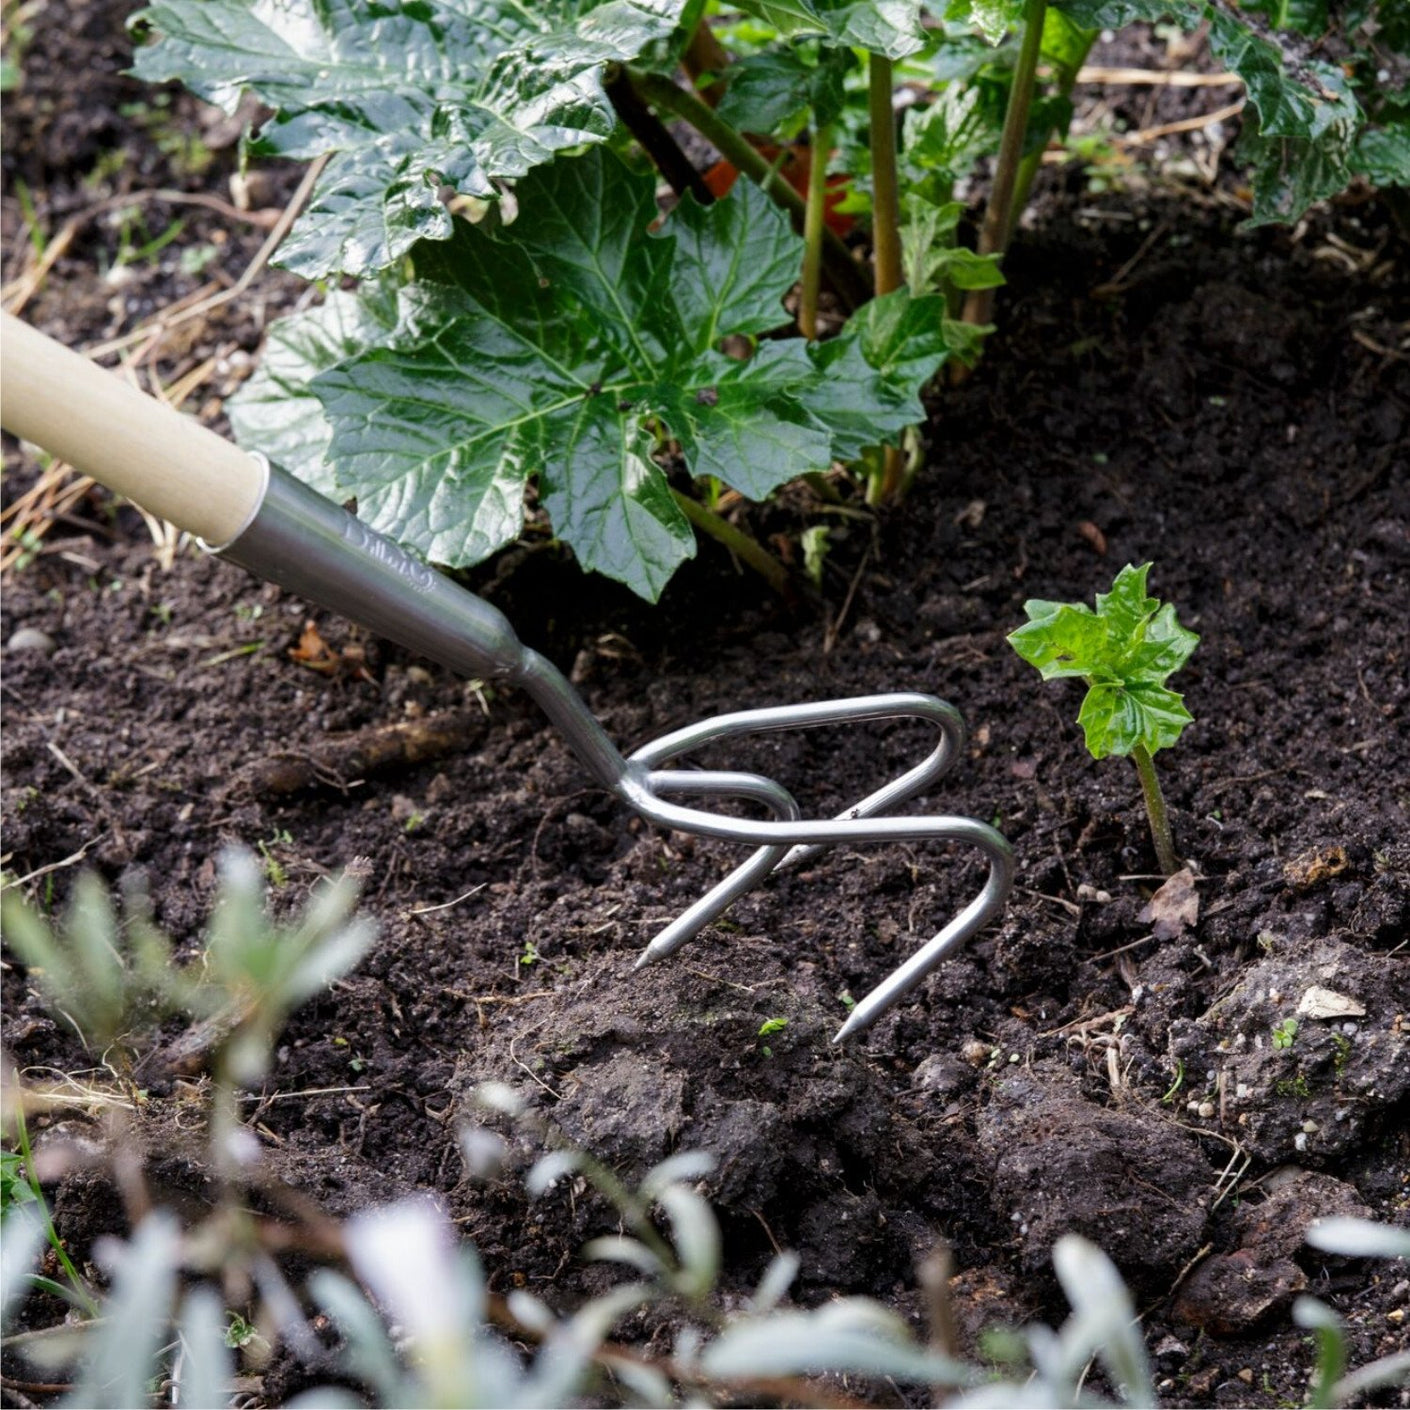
[(642, 960), (848, 1030)]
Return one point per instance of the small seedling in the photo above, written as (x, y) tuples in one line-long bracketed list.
[(15, 1189), (1125, 651), (1177, 1083), (274, 869), (239, 1333), (767, 1029), (1284, 1034)]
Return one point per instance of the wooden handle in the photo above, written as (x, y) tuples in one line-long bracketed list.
[(170, 464)]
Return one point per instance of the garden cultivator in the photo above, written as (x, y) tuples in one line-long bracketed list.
[(266, 521)]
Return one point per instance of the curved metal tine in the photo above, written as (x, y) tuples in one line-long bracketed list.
[(745, 877), (972, 919), (830, 832), (891, 795), (898, 705)]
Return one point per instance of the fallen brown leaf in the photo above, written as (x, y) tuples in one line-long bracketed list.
[(315, 653), (1093, 535), (1173, 908)]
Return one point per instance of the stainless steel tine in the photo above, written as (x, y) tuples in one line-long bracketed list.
[(891, 795), (831, 831), (715, 902), (897, 791)]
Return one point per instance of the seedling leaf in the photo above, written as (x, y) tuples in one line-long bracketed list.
[(1124, 650)]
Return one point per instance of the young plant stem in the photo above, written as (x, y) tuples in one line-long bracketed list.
[(889, 272), (1065, 75), (994, 233), (1161, 835), (77, 1292), (1023, 183), (746, 549), (814, 227), (653, 136), (842, 271)]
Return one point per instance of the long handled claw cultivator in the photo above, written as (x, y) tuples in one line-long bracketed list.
[(266, 521)]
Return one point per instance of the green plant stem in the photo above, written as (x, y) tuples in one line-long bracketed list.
[(1066, 76), (79, 1293), (1023, 184), (747, 549), (889, 272), (660, 91), (1155, 808), (994, 233), (814, 228)]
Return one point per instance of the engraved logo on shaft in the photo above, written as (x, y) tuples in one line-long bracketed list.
[(385, 552)]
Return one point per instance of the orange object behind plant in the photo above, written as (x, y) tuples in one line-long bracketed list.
[(794, 170)]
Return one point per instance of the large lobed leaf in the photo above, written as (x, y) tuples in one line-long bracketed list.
[(889, 27), (1305, 122), (566, 347), (1304, 133), (407, 99), (1125, 651)]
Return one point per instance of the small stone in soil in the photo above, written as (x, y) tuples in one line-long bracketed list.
[(31, 639)]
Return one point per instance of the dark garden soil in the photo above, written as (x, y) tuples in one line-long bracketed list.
[(1234, 407)]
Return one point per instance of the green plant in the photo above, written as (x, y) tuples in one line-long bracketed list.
[(15, 1189), (767, 1029), (1284, 1033), (1125, 651), (115, 983), (530, 332), (22, 1199), (275, 869), (1331, 1386), (108, 979)]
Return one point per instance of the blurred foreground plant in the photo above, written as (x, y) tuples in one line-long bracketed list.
[(415, 1320)]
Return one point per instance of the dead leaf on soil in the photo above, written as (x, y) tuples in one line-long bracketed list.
[(315, 653), (1173, 908), (1318, 1002), (1093, 535), (1313, 868)]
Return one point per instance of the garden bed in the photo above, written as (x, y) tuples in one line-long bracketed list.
[(1233, 407)]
